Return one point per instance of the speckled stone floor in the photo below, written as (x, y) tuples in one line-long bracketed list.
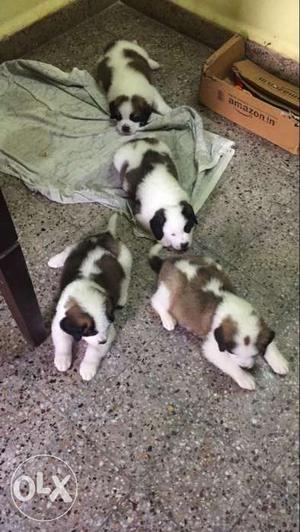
[(160, 440)]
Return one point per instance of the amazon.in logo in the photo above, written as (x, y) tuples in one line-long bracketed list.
[(248, 111), (43, 488)]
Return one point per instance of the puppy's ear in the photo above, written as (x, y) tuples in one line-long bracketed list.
[(157, 223), (78, 323), (220, 339), (145, 115), (113, 110), (224, 335), (68, 327), (265, 337), (141, 109), (188, 212)]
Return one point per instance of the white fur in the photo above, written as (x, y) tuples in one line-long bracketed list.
[(154, 250), (214, 285), (226, 364), (159, 190), (190, 270), (128, 82), (161, 304), (91, 301), (89, 266), (112, 224)]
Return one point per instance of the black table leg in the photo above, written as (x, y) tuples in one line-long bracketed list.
[(15, 281)]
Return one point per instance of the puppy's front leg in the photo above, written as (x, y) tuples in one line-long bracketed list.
[(62, 345), (161, 304), (275, 359), (226, 364), (159, 103), (93, 356)]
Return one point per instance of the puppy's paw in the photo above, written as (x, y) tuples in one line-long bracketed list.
[(55, 262), (280, 365), (165, 109), (87, 371), (245, 381), (62, 362), (276, 361), (169, 323), (154, 65)]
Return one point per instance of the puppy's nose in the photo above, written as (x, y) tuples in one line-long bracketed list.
[(184, 246), (126, 129)]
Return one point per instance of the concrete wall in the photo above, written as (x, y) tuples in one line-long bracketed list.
[(272, 23), (17, 14)]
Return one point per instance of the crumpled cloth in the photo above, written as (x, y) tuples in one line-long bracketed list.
[(57, 137)]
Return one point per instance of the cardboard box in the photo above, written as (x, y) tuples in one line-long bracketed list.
[(219, 92)]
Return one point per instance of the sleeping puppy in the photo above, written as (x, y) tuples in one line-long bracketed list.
[(149, 176), (94, 282), (125, 74), (195, 293)]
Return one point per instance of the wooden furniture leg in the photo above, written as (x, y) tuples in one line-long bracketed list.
[(15, 281)]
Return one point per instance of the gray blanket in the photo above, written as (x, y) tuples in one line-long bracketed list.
[(57, 137)]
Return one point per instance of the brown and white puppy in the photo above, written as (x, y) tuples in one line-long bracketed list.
[(125, 73), (149, 176), (195, 293), (94, 282)]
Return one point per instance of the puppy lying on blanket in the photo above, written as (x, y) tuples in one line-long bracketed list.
[(148, 174), (125, 74), (195, 293), (94, 282)]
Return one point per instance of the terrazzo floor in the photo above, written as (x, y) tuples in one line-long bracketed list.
[(160, 440)]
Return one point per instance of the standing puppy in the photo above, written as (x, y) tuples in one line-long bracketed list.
[(125, 74), (195, 293), (149, 176), (94, 282)]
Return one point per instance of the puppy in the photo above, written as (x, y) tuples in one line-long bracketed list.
[(94, 282), (125, 74), (161, 206), (195, 293)]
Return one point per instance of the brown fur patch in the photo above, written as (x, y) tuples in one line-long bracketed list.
[(115, 104), (120, 99), (104, 74), (77, 316), (225, 334), (191, 306), (138, 63), (108, 242), (141, 108), (110, 277), (71, 269)]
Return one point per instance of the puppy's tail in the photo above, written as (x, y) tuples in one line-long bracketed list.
[(154, 260), (112, 224)]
